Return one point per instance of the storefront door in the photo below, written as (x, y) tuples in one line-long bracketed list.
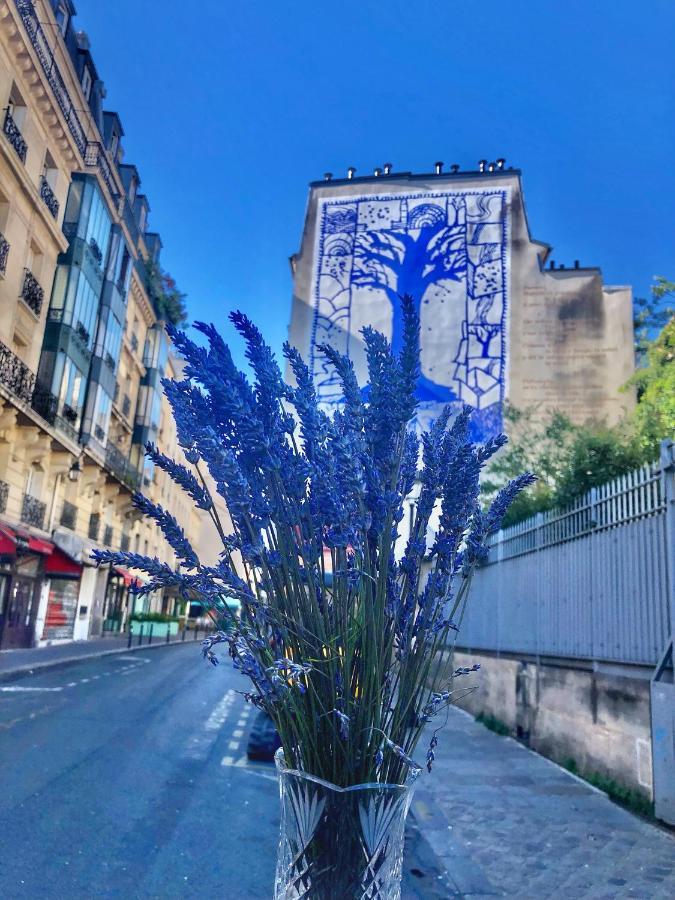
[(21, 606)]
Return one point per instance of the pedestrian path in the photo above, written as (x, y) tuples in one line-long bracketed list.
[(507, 822), (15, 662)]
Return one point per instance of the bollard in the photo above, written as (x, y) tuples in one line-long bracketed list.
[(140, 634), (196, 632), (168, 632), (152, 625), (183, 636), (130, 636)]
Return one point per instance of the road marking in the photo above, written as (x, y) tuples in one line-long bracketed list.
[(238, 732), (84, 680), (202, 741), (233, 745), (239, 763), (71, 684), (15, 688), (241, 723)]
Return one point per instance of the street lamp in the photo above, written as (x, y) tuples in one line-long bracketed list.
[(75, 471)]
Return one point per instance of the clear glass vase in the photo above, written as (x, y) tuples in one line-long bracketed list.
[(340, 843)]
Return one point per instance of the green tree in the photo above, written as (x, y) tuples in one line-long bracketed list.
[(168, 301)]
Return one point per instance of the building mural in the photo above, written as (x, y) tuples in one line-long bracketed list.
[(448, 249)]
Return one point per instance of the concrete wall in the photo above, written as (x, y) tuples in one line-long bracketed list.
[(598, 719)]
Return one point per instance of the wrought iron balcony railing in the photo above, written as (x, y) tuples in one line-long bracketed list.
[(31, 292), (108, 535), (68, 515), (120, 466), (96, 250), (14, 136), (94, 526), (126, 406), (49, 197), (99, 433), (69, 414), (4, 253), (15, 375), (45, 404), (4, 494), (33, 511), (82, 334), (133, 340)]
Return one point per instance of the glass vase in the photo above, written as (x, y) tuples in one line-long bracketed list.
[(340, 843)]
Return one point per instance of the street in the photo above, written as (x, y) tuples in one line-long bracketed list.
[(126, 776)]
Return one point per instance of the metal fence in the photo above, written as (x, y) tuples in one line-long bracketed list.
[(589, 582)]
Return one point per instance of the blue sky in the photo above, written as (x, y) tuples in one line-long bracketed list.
[(230, 109)]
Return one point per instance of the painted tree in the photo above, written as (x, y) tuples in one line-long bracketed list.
[(410, 261)]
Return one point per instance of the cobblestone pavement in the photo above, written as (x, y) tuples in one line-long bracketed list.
[(506, 822)]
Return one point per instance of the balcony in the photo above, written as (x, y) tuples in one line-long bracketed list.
[(49, 198), (108, 536), (33, 511), (120, 466), (15, 375), (14, 136), (31, 292), (4, 253), (4, 494), (68, 515), (94, 526), (46, 405)]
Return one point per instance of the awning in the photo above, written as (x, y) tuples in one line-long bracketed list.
[(7, 542), (60, 565), (25, 541), (129, 579)]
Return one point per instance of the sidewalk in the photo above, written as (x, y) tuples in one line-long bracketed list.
[(506, 822), (22, 662)]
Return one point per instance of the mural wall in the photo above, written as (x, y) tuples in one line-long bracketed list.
[(449, 249)]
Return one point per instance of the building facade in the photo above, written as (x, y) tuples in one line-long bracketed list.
[(499, 321), (82, 347)]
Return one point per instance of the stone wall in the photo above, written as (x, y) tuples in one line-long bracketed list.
[(598, 719)]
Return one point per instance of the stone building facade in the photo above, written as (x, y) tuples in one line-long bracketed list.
[(82, 349), (499, 320)]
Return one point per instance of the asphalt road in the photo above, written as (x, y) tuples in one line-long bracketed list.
[(126, 776)]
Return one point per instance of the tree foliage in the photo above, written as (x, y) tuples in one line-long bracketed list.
[(167, 300)]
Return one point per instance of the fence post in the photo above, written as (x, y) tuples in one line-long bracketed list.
[(130, 636), (152, 625), (140, 634)]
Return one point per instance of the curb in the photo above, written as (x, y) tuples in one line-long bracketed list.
[(27, 670)]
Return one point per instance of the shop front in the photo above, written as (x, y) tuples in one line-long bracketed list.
[(64, 576), (22, 568)]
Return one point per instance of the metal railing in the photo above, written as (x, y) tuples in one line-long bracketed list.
[(4, 253), (15, 375), (126, 406), (31, 293), (49, 197), (14, 136), (68, 515), (33, 511), (587, 582), (120, 466)]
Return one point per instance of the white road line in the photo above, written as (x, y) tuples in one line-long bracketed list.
[(71, 684), (202, 740), (15, 688), (241, 723), (233, 745), (84, 680), (238, 732), (239, 763)]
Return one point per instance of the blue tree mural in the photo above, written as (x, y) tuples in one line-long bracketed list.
[(441, 248)]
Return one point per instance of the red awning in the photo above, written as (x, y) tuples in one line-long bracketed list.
[(7, 542), (24, 541), (129, 579), (60, 565)]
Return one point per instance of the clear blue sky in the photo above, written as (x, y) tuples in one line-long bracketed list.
[(230, 109)]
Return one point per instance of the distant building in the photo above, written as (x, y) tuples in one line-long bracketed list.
[(497, 324), (82, 346)]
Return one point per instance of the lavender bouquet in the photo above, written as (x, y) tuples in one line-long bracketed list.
[(340, 639)]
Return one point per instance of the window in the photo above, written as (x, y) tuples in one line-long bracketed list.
[(62, 17), (114, 145), (16, 107), (86, 82), (132, 192), (101, 416), (49, 170)]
